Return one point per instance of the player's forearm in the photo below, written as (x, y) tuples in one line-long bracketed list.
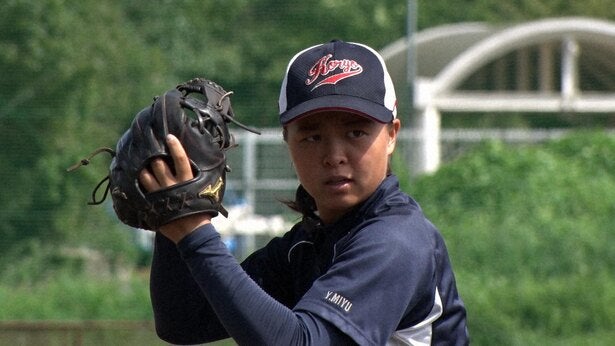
[(181, 313), (239, 303), (248, 314)]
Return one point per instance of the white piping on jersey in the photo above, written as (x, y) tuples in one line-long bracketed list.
[(419, 334), (294, 246), (311, 243)]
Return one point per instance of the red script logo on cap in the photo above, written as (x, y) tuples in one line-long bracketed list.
[(325, 66)]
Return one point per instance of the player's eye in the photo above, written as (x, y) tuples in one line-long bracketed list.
[(312, 138), (356, 133)]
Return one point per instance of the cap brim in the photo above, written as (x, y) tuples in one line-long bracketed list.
[(338, 102)]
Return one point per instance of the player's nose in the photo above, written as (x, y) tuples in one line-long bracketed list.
[(334, 153)]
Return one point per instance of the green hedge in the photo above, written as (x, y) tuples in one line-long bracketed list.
[(69, 296), (530, 230)]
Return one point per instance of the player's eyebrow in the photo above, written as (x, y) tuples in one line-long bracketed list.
[(308, 126), (358, 121)]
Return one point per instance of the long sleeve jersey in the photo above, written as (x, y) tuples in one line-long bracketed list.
[(380, 275)]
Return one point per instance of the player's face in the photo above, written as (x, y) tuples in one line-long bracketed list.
[(340, 158)]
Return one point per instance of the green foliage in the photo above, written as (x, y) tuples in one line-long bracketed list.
[(32, 262), (433, 13), (74, 76), (68, 86), (527, 311), (529, 229), (245, 45), (70, 296), (43, 282)]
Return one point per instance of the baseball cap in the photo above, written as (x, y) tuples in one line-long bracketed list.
[(337, 75)]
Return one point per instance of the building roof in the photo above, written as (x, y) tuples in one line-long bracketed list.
[(562, 63)]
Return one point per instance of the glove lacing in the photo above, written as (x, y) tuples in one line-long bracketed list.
[(85, 162)]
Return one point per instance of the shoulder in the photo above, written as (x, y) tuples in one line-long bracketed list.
[(393, 215), (391, 235)]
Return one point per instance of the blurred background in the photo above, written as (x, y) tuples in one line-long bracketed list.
[(507, 108)]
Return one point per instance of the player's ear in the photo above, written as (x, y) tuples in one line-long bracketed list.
[(285, 134), (393, 129)]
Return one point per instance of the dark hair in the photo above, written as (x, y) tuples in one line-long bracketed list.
[(304, 203)]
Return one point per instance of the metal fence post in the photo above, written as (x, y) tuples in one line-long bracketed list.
[(249, 169)]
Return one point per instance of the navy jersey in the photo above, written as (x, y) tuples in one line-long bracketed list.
[(380, 275)]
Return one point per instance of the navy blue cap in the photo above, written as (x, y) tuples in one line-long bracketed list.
[(337, 75)]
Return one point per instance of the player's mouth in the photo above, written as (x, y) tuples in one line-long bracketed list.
[(338, 183)]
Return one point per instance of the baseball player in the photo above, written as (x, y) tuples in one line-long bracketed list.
[(363, 266)]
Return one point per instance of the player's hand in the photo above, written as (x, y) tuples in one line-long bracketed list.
[(160, 176)]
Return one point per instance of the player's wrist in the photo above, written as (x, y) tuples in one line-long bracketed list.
[(180, 228)]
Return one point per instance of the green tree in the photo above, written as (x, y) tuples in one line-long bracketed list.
[(438, 12), (68, 86), (245, 45)]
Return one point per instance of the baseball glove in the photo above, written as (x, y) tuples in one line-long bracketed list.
[(197, 113)]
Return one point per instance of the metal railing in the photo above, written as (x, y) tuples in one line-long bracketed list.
[(262, 173)]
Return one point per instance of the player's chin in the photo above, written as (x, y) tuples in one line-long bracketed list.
[(341, 202)]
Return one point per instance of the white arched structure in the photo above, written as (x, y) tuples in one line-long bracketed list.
[(448, 58)]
